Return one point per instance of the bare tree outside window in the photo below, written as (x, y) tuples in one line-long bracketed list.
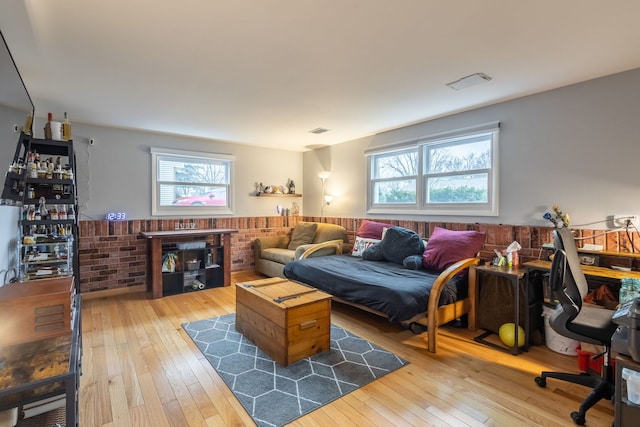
[(399, 173), (457, 173)]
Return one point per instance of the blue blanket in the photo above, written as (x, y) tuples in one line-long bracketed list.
[(387, 287)]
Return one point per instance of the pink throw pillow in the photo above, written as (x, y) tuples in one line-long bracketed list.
[(371, 229), (446, 247)]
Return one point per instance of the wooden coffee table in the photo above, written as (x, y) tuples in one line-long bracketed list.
[(285, 319)]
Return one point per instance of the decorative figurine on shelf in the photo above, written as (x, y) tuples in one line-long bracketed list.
[(292, 187), (558, 218)]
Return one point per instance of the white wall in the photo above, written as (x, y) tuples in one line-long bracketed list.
[(8, 214), (576, 146)]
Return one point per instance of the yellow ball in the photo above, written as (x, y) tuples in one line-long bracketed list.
[(507, 332)]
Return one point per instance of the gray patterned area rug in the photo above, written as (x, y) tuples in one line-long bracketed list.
[(274, 395)]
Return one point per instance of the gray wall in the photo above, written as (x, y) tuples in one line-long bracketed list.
[(114, 174), (577, 146)]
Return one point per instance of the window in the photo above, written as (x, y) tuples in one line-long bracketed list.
[(193, 183), (394, 178), (446, 174)]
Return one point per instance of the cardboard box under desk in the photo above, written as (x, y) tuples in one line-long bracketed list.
[(35, 310), (286, 320)]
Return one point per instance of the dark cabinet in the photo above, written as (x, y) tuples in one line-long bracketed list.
[(188, 270)]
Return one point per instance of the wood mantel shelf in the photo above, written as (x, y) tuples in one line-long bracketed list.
[(155, 252)]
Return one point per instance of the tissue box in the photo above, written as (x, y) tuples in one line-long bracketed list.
[(193, 265), (633, 385)]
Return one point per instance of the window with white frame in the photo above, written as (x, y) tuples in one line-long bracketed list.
[(453, 173), (191, 183)]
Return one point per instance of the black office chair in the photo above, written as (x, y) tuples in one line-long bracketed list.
[(582, 323)]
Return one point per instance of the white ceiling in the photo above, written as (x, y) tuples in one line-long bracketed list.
[(265, 72)]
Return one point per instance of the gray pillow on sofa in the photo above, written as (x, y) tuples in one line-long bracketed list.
[(303, 234), (398, 243)]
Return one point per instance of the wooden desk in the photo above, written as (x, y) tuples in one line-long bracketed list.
[(589, 271), (514, 275), (594, 276), (36, 370), (155, 252)]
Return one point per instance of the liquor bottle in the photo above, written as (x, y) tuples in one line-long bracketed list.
[(54, 213), (66, 128), (42, 208), (28, 124), (292, 187), (71, 213), (47, 126), (62, 212)]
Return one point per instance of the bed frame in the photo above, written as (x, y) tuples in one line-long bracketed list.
[(435, 315)]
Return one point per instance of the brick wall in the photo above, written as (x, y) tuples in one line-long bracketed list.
[(113, 255)]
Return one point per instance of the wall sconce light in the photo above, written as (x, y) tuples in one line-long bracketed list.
[(323, 177), (327, 199)]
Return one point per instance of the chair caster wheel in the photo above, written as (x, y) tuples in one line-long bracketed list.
[(578, 418), (541, 382)]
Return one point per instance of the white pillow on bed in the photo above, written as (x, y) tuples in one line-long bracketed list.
[(361, 244)]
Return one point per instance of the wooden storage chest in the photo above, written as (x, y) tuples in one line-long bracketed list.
[(286, 320)]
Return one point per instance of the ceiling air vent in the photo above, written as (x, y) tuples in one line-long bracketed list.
[(472, 80), (318, 130)]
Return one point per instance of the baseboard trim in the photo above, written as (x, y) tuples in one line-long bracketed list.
[(105, 293)]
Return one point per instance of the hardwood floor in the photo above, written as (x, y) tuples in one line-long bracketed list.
[(141, 369)]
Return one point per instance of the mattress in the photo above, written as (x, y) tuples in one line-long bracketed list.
[(389, 288)]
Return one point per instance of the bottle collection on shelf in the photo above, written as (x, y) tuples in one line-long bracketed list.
[(37, 169), (59, 212), (59, 131), (56, 231), (294, 211), (46, 169)]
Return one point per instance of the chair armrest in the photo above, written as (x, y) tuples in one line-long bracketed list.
[(441, 281), (262, 243), (329, 247)]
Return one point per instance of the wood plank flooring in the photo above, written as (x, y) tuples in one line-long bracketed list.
[(141, 369)]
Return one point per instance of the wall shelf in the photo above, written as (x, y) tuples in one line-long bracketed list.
[(277, 195)]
